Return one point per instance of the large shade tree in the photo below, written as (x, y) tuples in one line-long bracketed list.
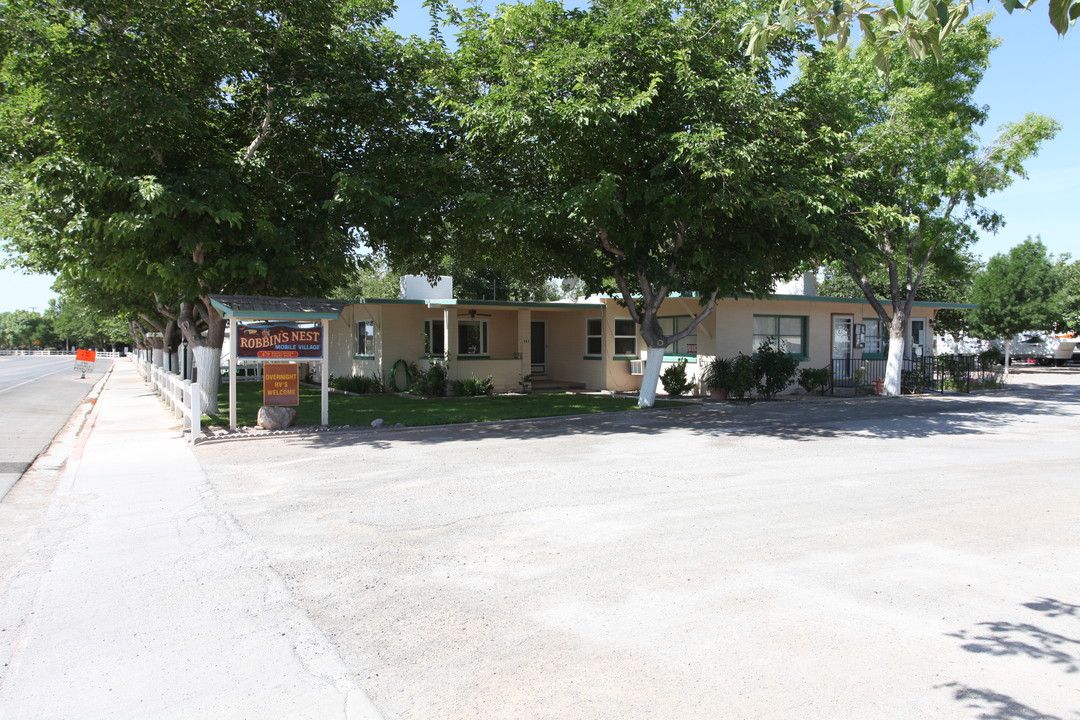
[(176, 150), (916, 168), (632, 145)]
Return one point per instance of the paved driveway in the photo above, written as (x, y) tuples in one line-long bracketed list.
[(880, 558)]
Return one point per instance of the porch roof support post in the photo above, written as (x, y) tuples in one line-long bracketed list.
[(324, 374), (233, 344)]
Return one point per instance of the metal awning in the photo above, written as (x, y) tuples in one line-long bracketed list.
[(261, 307)]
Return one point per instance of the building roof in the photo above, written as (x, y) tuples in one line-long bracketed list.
[(261, 307)]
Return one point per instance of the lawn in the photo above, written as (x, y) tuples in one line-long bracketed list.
[(415, 411)]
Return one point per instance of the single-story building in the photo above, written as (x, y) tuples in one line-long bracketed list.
[(592, 343)]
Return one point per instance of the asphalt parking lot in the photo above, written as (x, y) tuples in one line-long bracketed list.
[(877, 558)]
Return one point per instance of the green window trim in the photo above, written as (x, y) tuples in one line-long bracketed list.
[(625, 357), (592, 357), (690, 359), (804, 334), (475, 357), (363, 357)]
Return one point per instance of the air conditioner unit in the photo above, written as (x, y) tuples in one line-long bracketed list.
[(637, 367)]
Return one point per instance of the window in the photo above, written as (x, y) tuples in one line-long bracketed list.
[(625, 337), (594, 341), (473, 337), (671, 325), (788, 332), (434, 337), (874, 338), (365, 338)]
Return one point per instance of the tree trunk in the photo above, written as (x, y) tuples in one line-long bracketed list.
[(895, 363), (654, 358), (208, 367), (1007, 344), (205, 347)]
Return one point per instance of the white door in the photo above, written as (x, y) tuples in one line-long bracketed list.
[(918, 337), (842, 327)]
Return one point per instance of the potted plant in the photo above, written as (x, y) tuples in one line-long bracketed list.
[(717, 377)]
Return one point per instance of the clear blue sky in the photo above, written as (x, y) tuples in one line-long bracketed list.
[(1032, 71)]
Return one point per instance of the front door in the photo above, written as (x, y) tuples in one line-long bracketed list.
[(918, 337), (842, 327), (538, 343)]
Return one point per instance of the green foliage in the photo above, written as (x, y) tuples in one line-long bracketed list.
[(774, 370), (632, 146), (918, 27), (25, 330), (717, 373), (372, 278), (473, 386), (429, 383), (359, 384), (1017, 292), (991, 356), (743, 377), (674, 379), (811, 379)]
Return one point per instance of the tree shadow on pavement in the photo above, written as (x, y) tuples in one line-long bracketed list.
[(1010, 639), (870, 418)]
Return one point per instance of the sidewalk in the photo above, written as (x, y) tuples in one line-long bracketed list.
[(137, 596)]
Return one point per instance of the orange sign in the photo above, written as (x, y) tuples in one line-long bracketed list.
[(86, 355), (281, 384)]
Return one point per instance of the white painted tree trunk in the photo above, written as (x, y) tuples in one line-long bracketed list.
[(894, 365), (158, 357), (654, 358), (208, 368), (1007, 343)]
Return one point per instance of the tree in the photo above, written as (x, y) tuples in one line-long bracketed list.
[(950, 284), (1016, 292), (914, 167), (175, 150), (633, 146), (919, 25), (25, 330)]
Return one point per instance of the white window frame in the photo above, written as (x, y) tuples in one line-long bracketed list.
[(482, 327), (598, 336), (429, 335), (365, 339), (632, 337), (874, 337)]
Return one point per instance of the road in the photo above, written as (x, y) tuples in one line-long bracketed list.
[(38, 394), (888, 558)]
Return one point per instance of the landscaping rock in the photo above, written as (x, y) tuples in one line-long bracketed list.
[(276, 418), (377, 423)]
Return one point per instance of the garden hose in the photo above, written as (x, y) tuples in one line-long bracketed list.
[(393, 376)]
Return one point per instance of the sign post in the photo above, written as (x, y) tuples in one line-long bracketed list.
[(84, 361)]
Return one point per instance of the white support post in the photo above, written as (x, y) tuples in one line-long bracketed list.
[(233, 344), (196, 414), (324, 374)]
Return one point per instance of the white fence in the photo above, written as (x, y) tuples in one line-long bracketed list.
[(181, 396), (100, 353)]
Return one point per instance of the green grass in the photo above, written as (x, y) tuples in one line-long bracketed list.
[(414, 412)]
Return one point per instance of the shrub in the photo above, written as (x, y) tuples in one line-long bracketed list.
[(814, 378), (473, 386), (360, 384), (674, 379), (774, 370), (991, 356), (431, 382), (716, 373), (742, 378)]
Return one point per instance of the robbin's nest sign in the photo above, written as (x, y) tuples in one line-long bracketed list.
[(275, 342)]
